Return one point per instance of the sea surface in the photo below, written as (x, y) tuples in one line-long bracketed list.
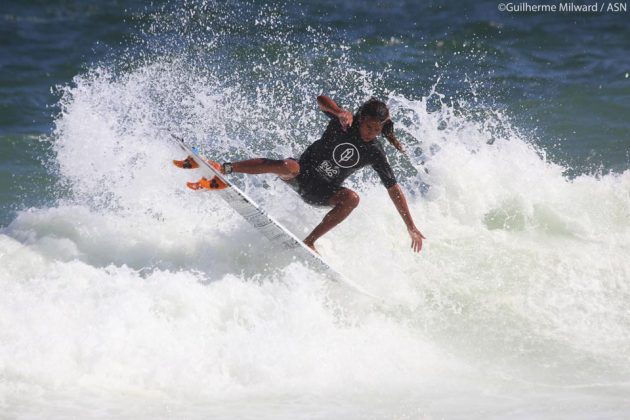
[(125, 295)]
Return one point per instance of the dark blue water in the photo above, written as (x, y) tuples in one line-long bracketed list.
[(562, 78)]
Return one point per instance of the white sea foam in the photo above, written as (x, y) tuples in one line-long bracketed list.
[(134, 297)]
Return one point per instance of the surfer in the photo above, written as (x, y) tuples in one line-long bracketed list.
[(348, 144)]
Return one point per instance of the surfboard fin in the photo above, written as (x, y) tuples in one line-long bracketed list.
[(204, 183), (187, 163), (207, 184)]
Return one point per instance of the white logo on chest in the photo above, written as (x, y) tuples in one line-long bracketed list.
[(346, 155)]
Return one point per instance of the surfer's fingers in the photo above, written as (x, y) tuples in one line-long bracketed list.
[(417, 245)]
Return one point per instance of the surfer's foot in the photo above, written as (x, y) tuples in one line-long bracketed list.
[(207, 184), (216, 165), (312, 246), (188, 163)]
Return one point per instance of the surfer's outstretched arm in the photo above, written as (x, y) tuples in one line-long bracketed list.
[(397, 196)]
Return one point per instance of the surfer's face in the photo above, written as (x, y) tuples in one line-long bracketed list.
[(369, 128)]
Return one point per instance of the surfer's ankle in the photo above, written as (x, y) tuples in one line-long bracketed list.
[(311, 245)]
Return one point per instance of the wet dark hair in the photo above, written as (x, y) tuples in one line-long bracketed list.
[(378, 110)]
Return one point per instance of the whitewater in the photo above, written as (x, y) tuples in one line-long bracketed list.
[(131, 296)]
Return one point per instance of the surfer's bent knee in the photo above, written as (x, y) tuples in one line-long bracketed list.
[(292, 166), (346, 197), (352, 198)]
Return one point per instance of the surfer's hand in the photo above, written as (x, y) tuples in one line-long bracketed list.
[(345, 118), (416, 239)]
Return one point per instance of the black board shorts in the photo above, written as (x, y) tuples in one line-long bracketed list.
[(312, 190)]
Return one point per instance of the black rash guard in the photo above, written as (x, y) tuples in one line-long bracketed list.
[(338, 154)]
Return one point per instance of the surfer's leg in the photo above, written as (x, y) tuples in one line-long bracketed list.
[(343, 201), (285, 168)]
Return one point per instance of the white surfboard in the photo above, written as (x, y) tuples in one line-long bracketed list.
[(267, 225)]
